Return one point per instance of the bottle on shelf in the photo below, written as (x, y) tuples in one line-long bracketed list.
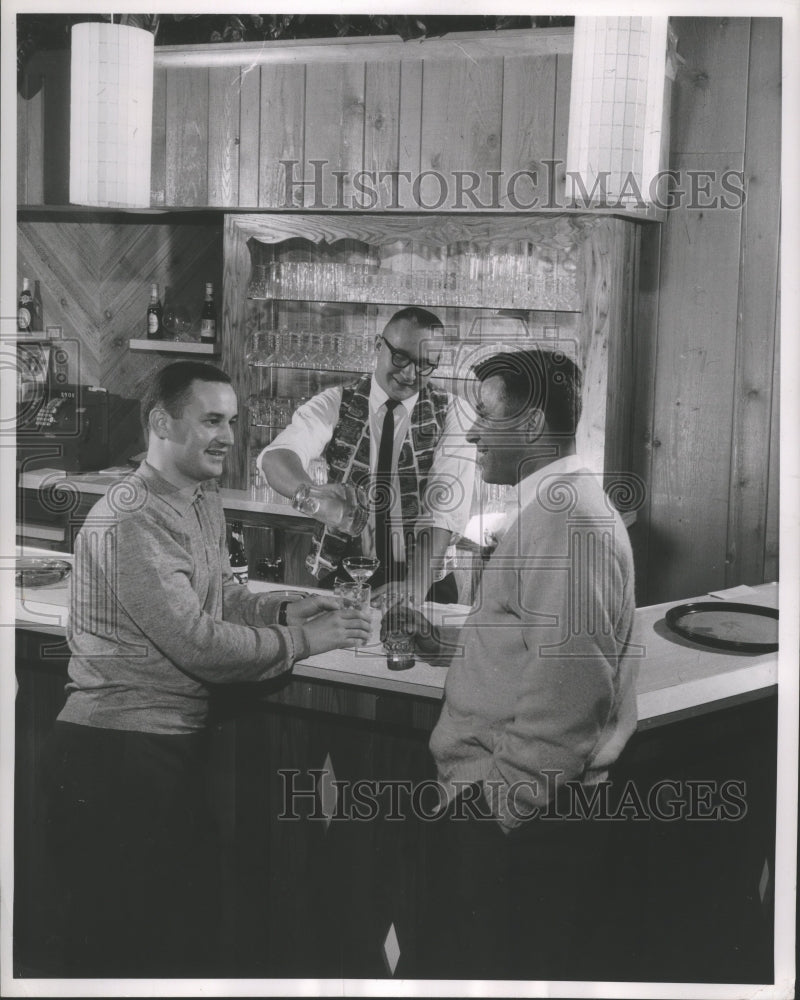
[(208, 320), (238, 555), (348, 513), (168, 314), (25, 308), (155, 315), (37, 322)]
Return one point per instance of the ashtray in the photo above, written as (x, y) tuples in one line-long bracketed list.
[(37, 572)]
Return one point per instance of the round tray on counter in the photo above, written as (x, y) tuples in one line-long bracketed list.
[(746, 628), (30, 571)]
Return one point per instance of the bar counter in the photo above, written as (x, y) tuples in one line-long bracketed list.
[(677, 678), (309, 891)]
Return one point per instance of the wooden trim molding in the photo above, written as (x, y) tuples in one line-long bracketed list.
[(458, 45)]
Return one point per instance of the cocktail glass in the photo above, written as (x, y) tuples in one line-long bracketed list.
[(361, 568)]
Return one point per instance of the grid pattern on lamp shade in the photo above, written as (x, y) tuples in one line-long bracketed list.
[(111, 113), (616, 103)]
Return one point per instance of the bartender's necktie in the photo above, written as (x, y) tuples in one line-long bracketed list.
[(383, 491)]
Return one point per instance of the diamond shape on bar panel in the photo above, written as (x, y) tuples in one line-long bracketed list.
[(391, 950), (328, 794)]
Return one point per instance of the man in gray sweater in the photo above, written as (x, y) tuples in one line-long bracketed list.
[(539, 698), (156, 622)]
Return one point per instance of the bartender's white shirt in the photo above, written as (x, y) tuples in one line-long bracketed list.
[(312, 427)]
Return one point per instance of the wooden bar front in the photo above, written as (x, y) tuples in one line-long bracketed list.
[(318, 788)]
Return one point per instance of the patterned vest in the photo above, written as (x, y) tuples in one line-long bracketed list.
[(347, 455)]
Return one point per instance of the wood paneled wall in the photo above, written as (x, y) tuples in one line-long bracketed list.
[(498, 102), (433, 106), (706, 351), (706, 426), (95, 283)]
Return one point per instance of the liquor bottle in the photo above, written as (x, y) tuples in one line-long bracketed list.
[(37, 319), (348, 513), (155, 315), (238, 555), (208, 319), (25, 307)]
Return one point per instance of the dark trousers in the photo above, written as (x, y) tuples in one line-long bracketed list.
[(134, 851), (521, 905)]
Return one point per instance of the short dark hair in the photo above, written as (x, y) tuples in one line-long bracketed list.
[(170, 388), (421, 318), (545, 380)]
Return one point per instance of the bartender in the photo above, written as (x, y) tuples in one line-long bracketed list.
[(403, 440)]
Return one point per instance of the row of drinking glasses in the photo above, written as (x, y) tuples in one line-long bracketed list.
[(531, 280), (272, 411), (315, 280), (261, 490), (312, 349), (495, 497)]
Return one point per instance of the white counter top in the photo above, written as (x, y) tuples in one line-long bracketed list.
[(43, 609), (677, 678)]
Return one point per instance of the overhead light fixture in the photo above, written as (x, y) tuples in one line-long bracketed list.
[(111, 115), (619, 109)]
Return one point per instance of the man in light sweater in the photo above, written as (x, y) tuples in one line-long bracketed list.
[(156, 622), (539, 696)]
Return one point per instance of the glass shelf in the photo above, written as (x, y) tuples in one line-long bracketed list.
[(527, 277), (311, 367), (174, 347), (311, 350), (424, 304)]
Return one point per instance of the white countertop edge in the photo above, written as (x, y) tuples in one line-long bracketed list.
[(707, 690), (36, 613), (687, 697), (391, 682)]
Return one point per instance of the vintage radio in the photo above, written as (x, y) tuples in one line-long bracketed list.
[(61, 424)]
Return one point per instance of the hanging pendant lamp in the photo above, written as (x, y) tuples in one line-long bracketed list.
[(111, 115)]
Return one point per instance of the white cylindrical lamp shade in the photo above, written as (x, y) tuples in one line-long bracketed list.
[(111, 115), (616, 109)]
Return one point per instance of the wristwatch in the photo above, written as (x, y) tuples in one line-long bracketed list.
[(282, 612)]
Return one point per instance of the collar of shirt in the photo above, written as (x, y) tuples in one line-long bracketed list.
[(180, 498), (378, 396), (527, 487), (525, 490)]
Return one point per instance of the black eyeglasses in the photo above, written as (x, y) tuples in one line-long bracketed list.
[(402, 360)]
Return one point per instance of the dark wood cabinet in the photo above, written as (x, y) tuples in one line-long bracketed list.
[(41, 675), (312, 889)]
